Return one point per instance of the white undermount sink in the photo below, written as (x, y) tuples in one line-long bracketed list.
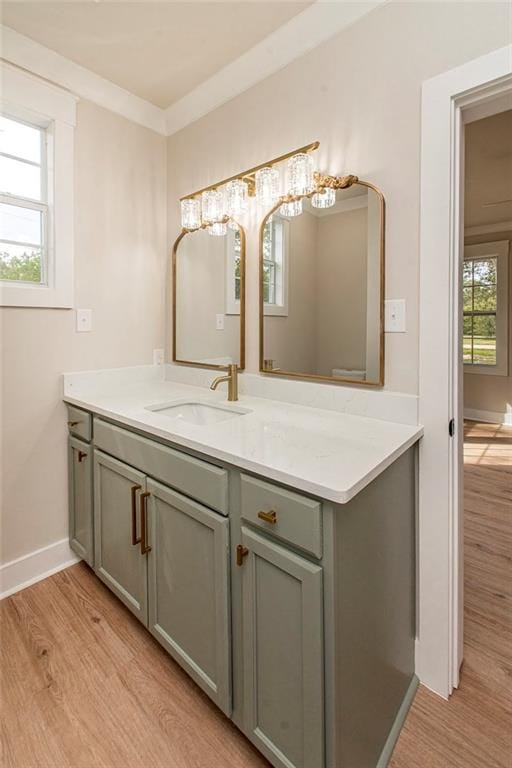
[(196, 412)]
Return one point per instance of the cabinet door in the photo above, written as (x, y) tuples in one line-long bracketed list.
[(80, 499), (282, 653), (118, 561), (188, 588)]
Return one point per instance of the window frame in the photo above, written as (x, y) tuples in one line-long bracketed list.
[(280, 309), (30, 203), (500, 251), (29, 100)]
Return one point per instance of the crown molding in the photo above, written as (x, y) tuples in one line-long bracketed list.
[(488, 229), (25, 53), (298, 36)]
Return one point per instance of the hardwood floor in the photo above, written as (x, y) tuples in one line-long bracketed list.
[(474, 728), (84, 685)]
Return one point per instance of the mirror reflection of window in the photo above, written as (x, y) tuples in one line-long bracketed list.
[(322, 288), (275, 265)]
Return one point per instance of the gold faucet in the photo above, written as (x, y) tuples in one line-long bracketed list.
[(232, 379)]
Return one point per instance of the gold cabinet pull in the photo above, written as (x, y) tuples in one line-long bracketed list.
[(268, 517), (144, 546), (134, 489), (241, 553), (81, 456), (73, 423)]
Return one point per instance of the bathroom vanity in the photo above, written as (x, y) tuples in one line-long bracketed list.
[(270, 550)]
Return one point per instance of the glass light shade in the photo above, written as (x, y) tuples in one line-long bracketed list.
[(267, 186), (324, 199), (191, 213), (212, 206), (291, 209), (219, 229), (236, 196), (233, 225), (300, 174)]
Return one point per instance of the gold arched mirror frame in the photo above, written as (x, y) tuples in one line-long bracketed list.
[(175, 288), (337, 183)]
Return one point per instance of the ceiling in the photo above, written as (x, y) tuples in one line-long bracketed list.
[(159, 51), (488, 171)]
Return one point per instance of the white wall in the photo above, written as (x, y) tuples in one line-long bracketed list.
[(120, 266), (359, 94)]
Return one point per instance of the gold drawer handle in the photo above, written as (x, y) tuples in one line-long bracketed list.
[(144, 546), (134, 490), (241, 553), (74, 423), (268, 517)]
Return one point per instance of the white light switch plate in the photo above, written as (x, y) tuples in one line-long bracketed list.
[(158, 357), (394, 315), (84, 320), (219, 322)]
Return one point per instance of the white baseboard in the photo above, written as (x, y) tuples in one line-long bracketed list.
[(490, 417), (37, 565)]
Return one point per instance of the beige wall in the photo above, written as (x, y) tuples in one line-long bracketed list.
[(120, 263), (360, 95), (341, 289), (290, 339)]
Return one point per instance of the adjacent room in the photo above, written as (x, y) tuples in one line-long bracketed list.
[(256, 384)]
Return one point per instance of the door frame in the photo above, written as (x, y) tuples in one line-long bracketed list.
[(477, 89)]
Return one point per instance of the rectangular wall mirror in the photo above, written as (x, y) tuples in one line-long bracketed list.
[(208, 298), (322, 286)]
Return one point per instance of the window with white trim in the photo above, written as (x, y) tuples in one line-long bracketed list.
[(37, 122), (275, 266), (233, 271), (23, 202), (485, 308)]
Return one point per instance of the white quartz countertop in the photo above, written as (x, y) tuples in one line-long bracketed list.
[(325, 453)]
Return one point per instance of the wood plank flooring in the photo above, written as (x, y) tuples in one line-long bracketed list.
[(84, 685), (474, 728)]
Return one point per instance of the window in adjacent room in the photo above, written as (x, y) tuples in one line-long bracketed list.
[(485, 308)]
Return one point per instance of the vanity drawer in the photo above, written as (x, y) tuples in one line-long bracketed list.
[(286, 515), (79, 423), (193, 477)]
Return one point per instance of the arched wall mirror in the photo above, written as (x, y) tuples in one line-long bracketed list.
[(208, 298), (322, 284)]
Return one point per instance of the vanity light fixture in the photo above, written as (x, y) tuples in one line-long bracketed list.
[(267, 186), (219, 228), (191, 213), (300, 174), (229, 198), (212, 206), (324, 199), (293, 208), (237, 192)]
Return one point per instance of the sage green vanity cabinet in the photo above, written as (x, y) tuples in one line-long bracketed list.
[(80, 499), (189, 588), (294, 614), (282, 635), (118, 558)]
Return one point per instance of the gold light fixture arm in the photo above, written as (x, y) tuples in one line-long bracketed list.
[(249, 174)]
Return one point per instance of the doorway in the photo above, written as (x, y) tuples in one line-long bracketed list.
[(450, 102)]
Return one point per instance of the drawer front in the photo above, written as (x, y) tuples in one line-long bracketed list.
[(285, 515), (79, 423), (193, 477)]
